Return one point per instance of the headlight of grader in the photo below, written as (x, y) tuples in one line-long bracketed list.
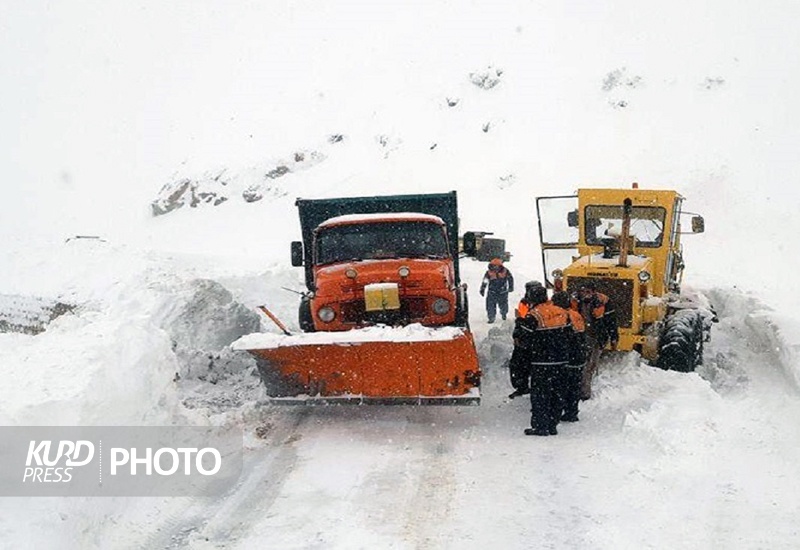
[(644, 276)]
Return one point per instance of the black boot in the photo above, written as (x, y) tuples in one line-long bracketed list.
[(532, 431), (518, 393)]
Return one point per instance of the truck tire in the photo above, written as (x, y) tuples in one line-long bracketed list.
[(462, 308), (680, 347), (304, 316)]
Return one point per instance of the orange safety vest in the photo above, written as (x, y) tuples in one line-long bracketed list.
[(492, 274), (598, 311), (578, 324), (549, 316)]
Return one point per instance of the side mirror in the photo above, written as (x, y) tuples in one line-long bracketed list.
[(297, 253), (698, 224), (572, 218), (470, 244)]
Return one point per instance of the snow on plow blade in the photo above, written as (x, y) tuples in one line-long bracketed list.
[(378, 365)]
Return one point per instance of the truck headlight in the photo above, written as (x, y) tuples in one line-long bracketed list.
[(644, 276), (441, 306), (558, 274), (404, 271), (326, 314), (351, 273)]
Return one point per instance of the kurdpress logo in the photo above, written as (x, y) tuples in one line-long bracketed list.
[(41, 467), (118, 461)]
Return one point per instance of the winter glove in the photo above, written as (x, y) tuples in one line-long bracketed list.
[(483, 292)]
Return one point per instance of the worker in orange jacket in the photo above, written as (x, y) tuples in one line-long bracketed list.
[(572, 373), (600, 316), (496, 285), (542, 334)]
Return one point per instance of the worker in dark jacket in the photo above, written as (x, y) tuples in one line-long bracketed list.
[(600, 316), (542, 334), (518, 367), (496, 285), (572, 372)]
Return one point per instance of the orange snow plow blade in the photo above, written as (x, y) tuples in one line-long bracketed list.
[(435, 372)]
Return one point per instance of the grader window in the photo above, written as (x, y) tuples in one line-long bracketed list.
[(647, 224)]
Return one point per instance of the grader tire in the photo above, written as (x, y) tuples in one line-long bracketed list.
[(681, 342)]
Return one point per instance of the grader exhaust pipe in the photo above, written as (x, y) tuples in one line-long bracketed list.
[(626, 232)]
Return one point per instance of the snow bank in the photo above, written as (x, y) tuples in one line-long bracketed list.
[(91, 369), (765, 333), (202, 319), (145, 338)]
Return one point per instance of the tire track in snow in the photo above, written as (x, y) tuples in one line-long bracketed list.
[(222, 520), (431, 503)]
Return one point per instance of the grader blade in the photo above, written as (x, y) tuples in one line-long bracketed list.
[(295, 370)]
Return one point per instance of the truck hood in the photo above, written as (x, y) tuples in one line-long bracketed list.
[(424, 274)]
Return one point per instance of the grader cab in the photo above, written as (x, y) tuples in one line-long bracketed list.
[(628, 242)]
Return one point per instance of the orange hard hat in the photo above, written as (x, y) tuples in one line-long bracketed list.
[(496, 261)]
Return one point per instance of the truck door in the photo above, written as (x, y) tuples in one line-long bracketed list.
[(558, 232)]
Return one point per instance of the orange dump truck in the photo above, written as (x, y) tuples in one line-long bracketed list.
[(385, 316)]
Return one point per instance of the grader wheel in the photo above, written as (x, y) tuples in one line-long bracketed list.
[(681, 342)]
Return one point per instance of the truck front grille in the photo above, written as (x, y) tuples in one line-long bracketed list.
[(412, 309)]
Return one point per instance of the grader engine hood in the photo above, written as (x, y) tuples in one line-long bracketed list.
[(626, 286)]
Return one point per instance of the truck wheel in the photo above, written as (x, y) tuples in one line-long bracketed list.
[(304, 315), (462, 309), (681, 344)]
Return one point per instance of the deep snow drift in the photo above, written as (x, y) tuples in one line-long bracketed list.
[(115, 112)]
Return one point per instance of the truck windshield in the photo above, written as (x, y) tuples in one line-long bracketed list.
[(647, 224), (411, 239)]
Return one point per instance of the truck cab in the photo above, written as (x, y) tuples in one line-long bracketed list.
[(367, 267), (380, 260)]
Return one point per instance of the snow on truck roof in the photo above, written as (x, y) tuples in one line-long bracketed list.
[(382, 216)]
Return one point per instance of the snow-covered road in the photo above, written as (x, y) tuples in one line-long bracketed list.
[(658, 460)]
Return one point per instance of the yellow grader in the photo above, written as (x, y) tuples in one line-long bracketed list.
[(628, 242)]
